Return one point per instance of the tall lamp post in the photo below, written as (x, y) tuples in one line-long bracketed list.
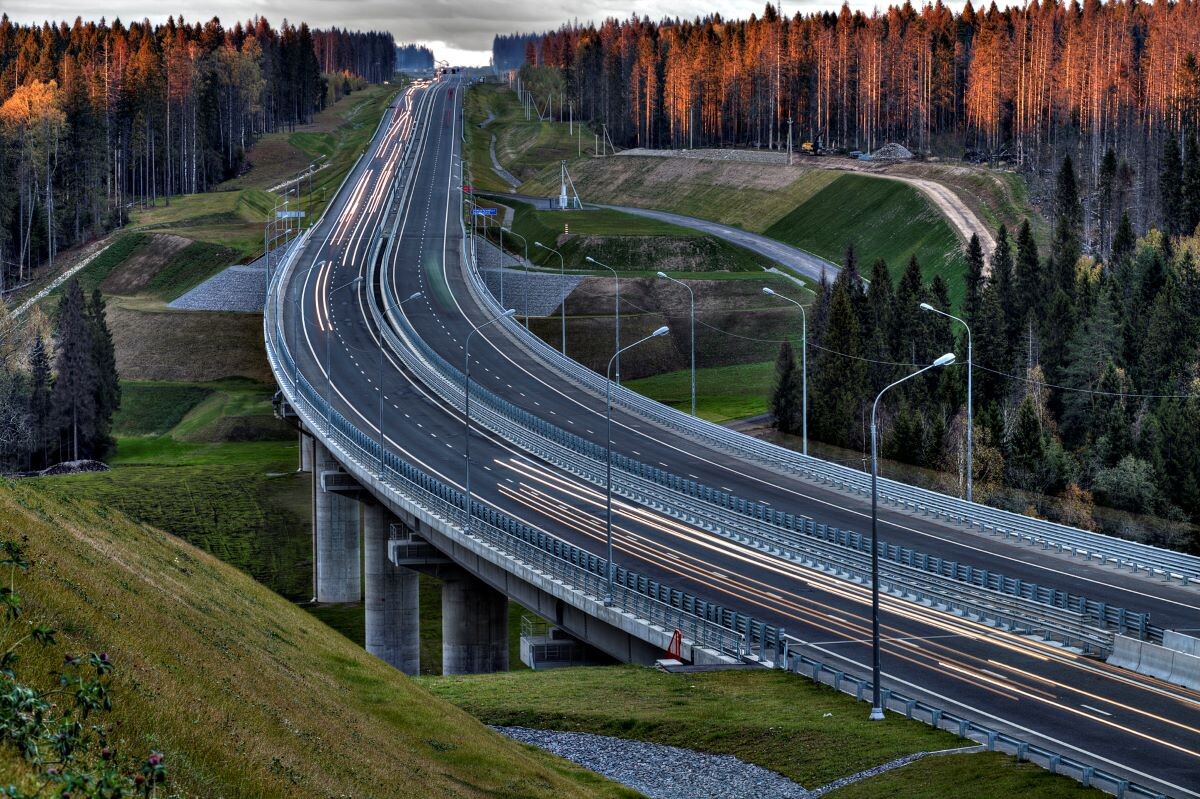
[(662, 331), (467, 404), (562, 290), (970, 405), (329, 355), (511, 232), (382, 437), (692, 304), (616, 310), (876, 703), (803, 364)]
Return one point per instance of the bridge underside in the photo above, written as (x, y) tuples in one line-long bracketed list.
[(364, 549)]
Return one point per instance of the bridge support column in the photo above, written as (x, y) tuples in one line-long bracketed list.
[(336, 528), (393, 621), (306, 452), (474, 626)]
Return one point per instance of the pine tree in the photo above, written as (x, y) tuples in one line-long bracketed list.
[(108, 382), (974, 280), (1107, 181), (1170, 183), (73, 399), (881, 301), (993, 348), (787, 395)]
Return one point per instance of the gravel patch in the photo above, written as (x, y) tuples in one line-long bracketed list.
[(662, 772), (747, 156)]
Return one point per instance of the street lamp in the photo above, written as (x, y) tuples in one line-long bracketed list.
[(876, 704), (662, 331), (382, 438), (467, 405), (562, 289), (511, 232), (329, 356), (616, 310), (803, 364), (692, 294), (970, 405)]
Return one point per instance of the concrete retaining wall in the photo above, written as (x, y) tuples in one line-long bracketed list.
[(1160, 662)]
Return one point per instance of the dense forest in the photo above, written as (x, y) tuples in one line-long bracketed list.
[(1086, 371), (413, 57), (96, 117), (510, 51), (61, 407), (1024, 85), (369, 55)]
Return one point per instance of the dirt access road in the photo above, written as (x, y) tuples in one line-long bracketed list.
[(960, 216)]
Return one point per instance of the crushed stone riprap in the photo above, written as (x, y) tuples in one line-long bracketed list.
[(660, 771)]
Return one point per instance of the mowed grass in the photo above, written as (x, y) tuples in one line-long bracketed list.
[(811, 734), (626, 242), (523, 147), (245, 694), (722, 392), (979, 774), (880, 218)]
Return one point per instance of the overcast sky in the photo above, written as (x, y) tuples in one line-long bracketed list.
[(459, 31)]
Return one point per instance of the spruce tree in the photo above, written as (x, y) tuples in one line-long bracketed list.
[(881, 302), (39, 403), (1191, 186), (974, 286), (73, 398), (1029, 289), (1108, 185), (787, 395), (1170, 185), (908, 319), (1025, 450), (1124, 240), (108, 382), (839, 381)]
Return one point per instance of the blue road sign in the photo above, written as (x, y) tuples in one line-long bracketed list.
[(484, 211)]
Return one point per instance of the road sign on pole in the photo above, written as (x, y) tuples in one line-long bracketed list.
[(484, 211), (289, 214)]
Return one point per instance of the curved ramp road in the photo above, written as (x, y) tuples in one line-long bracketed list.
[(1122, 722)]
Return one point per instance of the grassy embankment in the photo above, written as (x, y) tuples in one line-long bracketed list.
[(811, 734), (245, 694)]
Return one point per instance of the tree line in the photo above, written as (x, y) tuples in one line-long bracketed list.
[(413, 57), (96, 117), (371, 55), (1026, 85), (57, 400), (1087, 371)]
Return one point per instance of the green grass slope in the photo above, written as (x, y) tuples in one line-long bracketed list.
[(811, 734), (882, 219), (245, 694)]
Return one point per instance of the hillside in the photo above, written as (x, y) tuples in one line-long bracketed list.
[(245, 694)]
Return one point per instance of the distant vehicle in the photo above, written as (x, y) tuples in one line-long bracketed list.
[(856, 153)]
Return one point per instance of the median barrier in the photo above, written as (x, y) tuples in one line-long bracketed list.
[(1185, 670), (1156, 661), (1187, 644), (1126, 654)]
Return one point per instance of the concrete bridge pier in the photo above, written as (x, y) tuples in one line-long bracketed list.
[(306, 452), (474, 625), (336, 530), (392, 603)]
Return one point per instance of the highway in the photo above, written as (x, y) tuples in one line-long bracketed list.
[(1124, 722)]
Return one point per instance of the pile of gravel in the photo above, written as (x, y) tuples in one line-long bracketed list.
[(73, 467), (892, 152), (662, 772)]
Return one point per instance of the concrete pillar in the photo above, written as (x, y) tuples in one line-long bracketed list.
[(306, 452), (474, 626), (336, 525), (392, 603)]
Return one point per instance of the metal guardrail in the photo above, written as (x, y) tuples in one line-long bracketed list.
[(704, 623), (1009, 603), (1109, 550), (938, 718)]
